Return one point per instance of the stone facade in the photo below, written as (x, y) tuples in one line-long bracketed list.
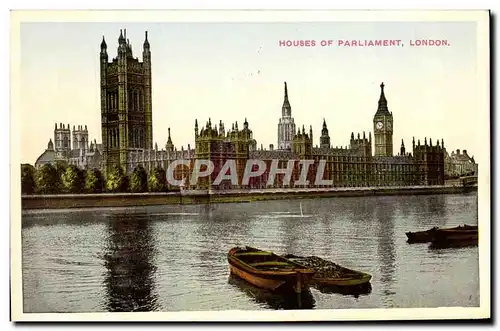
[(460, 164)]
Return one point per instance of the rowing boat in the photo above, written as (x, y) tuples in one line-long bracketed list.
[(428, 235), (268, 270)]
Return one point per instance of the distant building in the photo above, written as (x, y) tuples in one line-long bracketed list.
[(80, 153), (286, 125), (460, 164), (47, 157)]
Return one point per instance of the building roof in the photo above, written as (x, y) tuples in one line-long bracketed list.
[(47, 156)]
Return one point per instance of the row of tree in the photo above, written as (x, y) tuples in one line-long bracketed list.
[(63, 178)]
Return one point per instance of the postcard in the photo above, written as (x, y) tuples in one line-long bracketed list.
[(271, 165)]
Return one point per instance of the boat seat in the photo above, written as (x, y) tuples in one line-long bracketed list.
[(254, 253), (270, 263)]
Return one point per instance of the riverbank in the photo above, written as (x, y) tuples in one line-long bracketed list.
[(64, 201)]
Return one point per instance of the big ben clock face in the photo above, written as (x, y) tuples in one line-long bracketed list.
[(380, 125)]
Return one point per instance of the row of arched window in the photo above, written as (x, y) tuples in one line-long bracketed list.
[(136, 137), (113, 138), (135, 100)]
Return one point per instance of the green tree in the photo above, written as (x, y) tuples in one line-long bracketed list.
[(61, 166), (94, 181), (157, 180), (139, 180), (47, 180), (116, 180), (27, 179), (73, 179)]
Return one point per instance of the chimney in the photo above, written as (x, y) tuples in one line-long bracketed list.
[(271, 147)]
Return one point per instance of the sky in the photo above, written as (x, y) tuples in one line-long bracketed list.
[(233, 71)]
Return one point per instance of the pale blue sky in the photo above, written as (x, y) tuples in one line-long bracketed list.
[(230, 71)]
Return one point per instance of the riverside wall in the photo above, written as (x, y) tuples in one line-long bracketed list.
[(63, 201)]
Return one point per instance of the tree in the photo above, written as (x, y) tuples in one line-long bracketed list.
[(47, 180), (94, 181), (157, 180), (139, 180), (60, 166), (27, 179), (116, 181), (73, 179)]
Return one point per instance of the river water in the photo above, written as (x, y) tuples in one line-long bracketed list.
[(173, 258)]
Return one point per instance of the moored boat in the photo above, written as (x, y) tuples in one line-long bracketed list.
[(327, 273), (268, 270), (455, 237), (428, 235)]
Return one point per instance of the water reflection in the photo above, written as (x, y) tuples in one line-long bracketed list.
[(172, 258), (354, 291), (384, 217), (129, 250), (304, 300)]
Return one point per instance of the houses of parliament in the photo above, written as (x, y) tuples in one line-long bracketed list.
[(127, 139)]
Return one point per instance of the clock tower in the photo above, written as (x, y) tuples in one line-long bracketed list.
[(382, 127)]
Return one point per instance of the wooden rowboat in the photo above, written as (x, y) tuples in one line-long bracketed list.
[(268, 270), (327, 273), (428, 235), (455, 238)]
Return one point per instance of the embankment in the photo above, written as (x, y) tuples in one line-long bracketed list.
[(63, 201)]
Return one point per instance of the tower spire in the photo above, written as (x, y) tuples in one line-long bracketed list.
[(382, 101), (146, 41), (169, 141), (121, 40), (287, 109)]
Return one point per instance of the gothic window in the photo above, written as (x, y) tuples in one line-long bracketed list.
[(141, 101)]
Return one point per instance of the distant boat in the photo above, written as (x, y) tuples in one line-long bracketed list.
[(428, 235), (461, 237), (268, 270)]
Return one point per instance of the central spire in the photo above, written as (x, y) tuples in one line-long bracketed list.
[(287, 109), (382, 102)]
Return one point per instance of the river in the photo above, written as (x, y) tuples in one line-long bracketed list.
[(174, 257)]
